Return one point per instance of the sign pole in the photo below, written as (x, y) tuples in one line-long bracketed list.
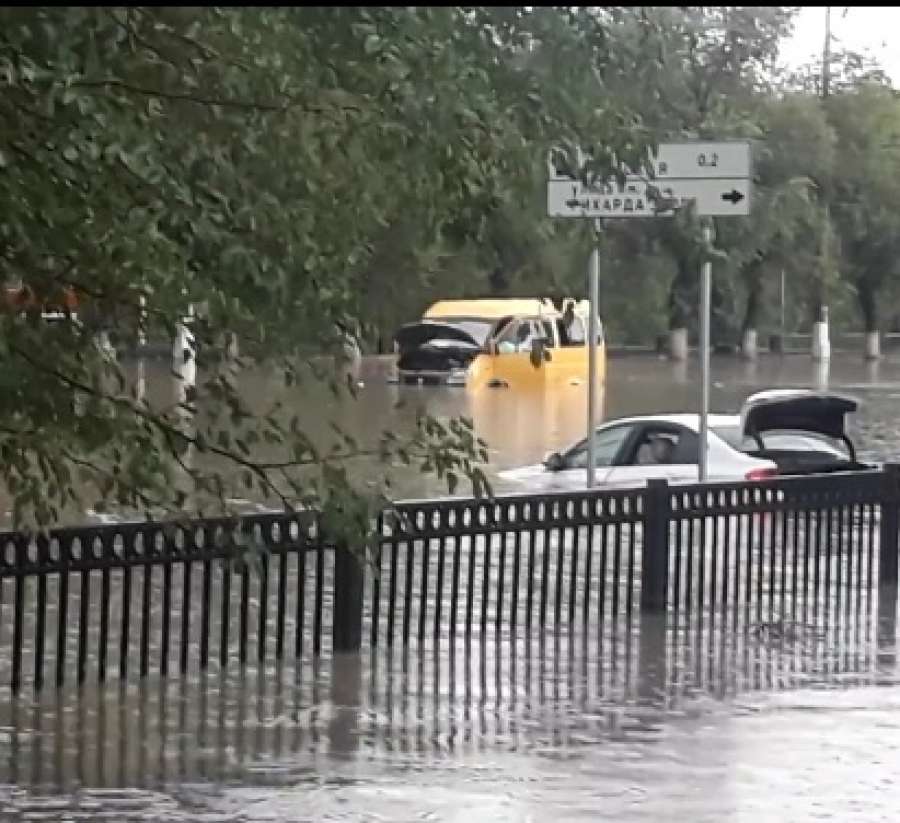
[(593, 297), (705, 299)]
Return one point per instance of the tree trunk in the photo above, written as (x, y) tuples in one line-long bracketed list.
[(868, 304), (753, 280), (750, 324), (498, 281), (722, 315), (682, 296), (816, 304), (872, 349), (678, 344), (748, 344)]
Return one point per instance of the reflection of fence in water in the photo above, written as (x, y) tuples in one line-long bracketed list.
[(263, 722)]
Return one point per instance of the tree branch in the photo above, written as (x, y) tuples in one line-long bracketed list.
[(245, 105), (138, 493), (169, 431), (130, 31)]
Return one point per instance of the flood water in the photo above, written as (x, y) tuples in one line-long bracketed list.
[(753, 730)]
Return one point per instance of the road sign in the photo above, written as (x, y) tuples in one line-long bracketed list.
[(702, 161), (570, 198), (712, 198), (714, 176)]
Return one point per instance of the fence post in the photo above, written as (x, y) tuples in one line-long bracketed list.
[(348, 600), (655, 551), (887, 555)]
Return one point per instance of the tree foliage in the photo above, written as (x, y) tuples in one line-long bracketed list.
[(273, 168), (300, 175)]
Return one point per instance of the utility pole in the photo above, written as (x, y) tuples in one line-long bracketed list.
[(821, 346)]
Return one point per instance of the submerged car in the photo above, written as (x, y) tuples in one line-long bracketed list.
[(633, 450), (778, 432), (504, 343)]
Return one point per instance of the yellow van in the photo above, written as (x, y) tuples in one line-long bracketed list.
[(499, 342)]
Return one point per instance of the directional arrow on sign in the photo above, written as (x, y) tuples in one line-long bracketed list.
[(711, 198), (733, 196)]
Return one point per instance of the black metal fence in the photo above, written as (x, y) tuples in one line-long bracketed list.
[(501, 576)]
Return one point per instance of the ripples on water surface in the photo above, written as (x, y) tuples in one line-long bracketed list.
[(744, 729)]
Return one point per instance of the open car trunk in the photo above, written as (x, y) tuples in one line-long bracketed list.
[(788, 426), (430, 345)]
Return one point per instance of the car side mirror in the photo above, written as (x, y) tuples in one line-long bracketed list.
[(554, 462)]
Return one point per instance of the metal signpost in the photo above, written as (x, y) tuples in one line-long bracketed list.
[(715, 176), (593, 299)]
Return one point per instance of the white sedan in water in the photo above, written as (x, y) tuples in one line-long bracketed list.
[(778, 431), (633, 450)]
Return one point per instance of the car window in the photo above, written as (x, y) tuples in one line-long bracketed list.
[(801, 441), (607, 443), (518, 335), (664, 445), (734, 437), (688, 447)]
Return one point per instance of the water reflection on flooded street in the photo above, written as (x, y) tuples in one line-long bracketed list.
[(536, 736), (654, 723)]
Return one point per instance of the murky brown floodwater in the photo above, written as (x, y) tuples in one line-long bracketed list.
[(754, 732)]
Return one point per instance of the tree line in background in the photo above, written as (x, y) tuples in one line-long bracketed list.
[(297, 172), (825, 196)]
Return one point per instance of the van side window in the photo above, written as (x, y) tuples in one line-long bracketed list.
[(518, 336), (571, 333)]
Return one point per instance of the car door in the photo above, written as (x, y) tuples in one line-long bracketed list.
[(609, 444), (511, 362)]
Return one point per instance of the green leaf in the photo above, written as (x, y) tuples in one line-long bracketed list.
[(371, 44)]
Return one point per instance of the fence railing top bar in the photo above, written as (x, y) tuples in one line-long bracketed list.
[(523, 497), (516, 510), (512, 513), (149, 529)]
